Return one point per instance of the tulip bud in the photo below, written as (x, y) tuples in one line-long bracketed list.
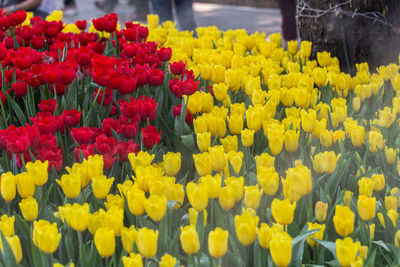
[(237, 186), (356, 103), (70, 184), (321, 209), (379, 180), (193, 216), (397, 239), (172, 163), (79, 216), (135, 201), (390, 203), (38, 170)]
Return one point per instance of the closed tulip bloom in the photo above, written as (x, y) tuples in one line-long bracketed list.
[(319, 75), (346, 250), (168, 261), (46, 236), (203, 141), (220, 91), (200, 125), (128, 237), (268, 179), (275, 143), (96, 221), (193, 214), (390, 155), (308, 120), (214, 184), (347, 198), (264, 234), (247, 136), (298, 182), (15, 245), (38, 170), (376, 141), (226, 198), (379, 180), (246, 226), (235, 123), (321, 209), (101, 186), (70, 184), (237, 186), (292, 47), (7, 225), (357, 135), (397, 239), (252, 196), (114, 219), (8, 186), (236, 160), (25, 185), (147, 242), (197, 195), (283, 211), (317, 235), (325, 162), (291, 140), (104, 240), (217, 154), (305, 49), (254, 116), (155, 206), (134, 260), (135, 201), (343, 220), (190, 239), (390, 203), (79, 216), (172, 163), (366, 186), (29, 208), (218, 242), (203, 163), (230, 143), (280, 248)]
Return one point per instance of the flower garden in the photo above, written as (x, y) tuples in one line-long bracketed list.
[(140, 145)]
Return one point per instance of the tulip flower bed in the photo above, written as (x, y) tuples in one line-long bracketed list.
[(146, 146)]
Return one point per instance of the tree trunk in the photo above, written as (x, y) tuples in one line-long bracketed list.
[(352, 38)]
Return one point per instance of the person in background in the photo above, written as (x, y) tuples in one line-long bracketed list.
[(141, 8), (39, 7), (184, 11), (70, 8), (289, 24)]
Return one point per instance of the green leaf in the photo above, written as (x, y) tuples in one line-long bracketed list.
[(18, 112), (331, 246), (7, 254), (298, 246)]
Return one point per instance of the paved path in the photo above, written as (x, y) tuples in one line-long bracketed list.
[(224, 16)]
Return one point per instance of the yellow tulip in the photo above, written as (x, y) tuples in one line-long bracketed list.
[(252, 196), (321, 209), (135, 201), (147, 242), (346, 251), (283, 211), (218, 242), (101, 186), (38, 170), (390, 203), (104, 240), (25, 184), (325, 162), (317, 235), (268, 179), (190, 239), (46, 236), (155, 206), (70, 184), (246, 226), (236, 160), (128, 237), (29, 208), (343, 220), (134, 260), (275, 143), (247, 137), (291, 140), (217, 158), (172, 163), (79, 216), (237, 186), (203, 163), (197, 195), (366, 186), (226, 198), (220, 91), (167, 261), (230, 143), (8, 186), (298, 182), (379, 180), (15, 245), (214, 184), (280, 248), (7, 225), (305, 49)]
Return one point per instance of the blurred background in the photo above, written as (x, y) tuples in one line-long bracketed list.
[(252, 15)]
